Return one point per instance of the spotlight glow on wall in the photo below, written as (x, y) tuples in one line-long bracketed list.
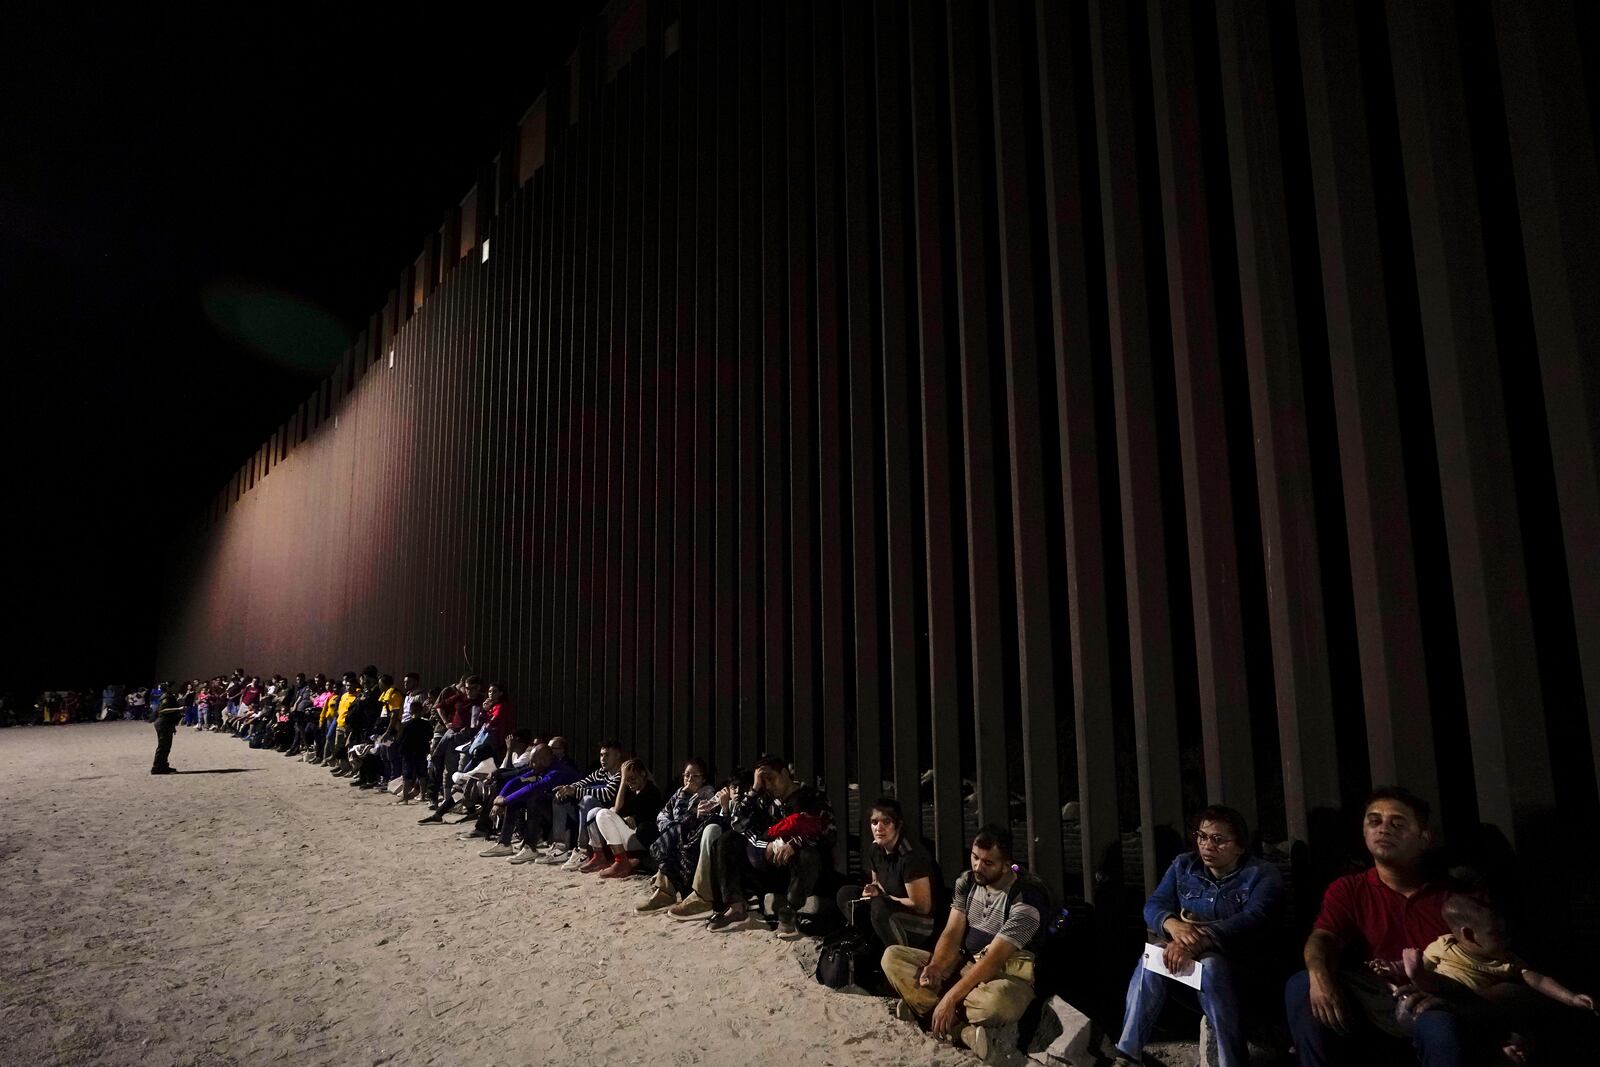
[(391, 359), (486, 250)]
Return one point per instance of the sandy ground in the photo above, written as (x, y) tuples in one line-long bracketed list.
[(275, 914)]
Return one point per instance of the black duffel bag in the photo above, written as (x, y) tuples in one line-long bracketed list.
[(849, 957)]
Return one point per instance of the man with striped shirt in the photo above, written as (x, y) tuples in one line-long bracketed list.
[(986, 947), (580, 802)]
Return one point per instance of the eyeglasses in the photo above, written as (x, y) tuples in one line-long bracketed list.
[(1201, 837)]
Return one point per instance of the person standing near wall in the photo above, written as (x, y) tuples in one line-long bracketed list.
[(171, 708)]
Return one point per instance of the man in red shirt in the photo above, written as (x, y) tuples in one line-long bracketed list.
[(454, 709), (1336, 1005)]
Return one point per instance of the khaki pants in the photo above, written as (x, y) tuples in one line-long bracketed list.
[(996, 1002)]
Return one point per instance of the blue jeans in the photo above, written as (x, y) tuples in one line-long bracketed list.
[(1442, 1038), (1218, 999), (578, 812)]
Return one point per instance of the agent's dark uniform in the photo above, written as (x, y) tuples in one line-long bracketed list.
[(168, 713)]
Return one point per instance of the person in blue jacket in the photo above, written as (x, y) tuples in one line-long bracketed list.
[(1212, 909)]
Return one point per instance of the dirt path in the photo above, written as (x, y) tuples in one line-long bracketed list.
[(274, 914)]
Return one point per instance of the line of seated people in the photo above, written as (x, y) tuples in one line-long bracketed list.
[(1398, 961)]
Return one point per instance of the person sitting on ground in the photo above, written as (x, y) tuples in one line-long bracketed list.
[(620, 836), (1337, 1006), (1472, 970), (779, 834), (379, 708), (716, 815), (676, 849), (481, 784), (523, 805), (901, 884), (1214, 908), (987, 946), (497, 718), (574, 806)]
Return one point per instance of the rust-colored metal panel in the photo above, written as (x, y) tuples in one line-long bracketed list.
[(1068, 154), (1197, 358), (895, 284), (1504, 694), (967, 22), (1278, 407), (832, 720), (1138, 461), (939, 417), (1383, 573), (1549, 122)]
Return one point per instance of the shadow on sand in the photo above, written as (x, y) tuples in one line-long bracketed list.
[(223, 770)]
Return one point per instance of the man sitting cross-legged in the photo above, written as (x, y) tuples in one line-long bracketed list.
[(978, 980)]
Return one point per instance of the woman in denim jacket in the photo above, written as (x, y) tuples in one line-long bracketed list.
[(1212, 907)]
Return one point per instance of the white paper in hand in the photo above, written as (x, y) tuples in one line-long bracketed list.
[(1155, 961)]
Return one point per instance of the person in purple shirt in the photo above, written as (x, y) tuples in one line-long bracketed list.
[(529, 790)]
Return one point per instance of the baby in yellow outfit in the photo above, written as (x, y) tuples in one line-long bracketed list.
[(1476, 955)]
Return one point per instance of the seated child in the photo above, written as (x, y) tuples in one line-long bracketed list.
[(1475, 961)]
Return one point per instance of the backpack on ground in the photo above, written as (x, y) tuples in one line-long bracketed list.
[(849, 957)]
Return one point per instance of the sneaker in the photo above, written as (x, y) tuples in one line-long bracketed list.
[(496, 852), (904, 1012), (594, 864), (426, 819), (527, 855), (691, 907), (621, 867), (728, 921), (658, 900), (555, 854), (991, 1044), (788, 930), (575, 860)]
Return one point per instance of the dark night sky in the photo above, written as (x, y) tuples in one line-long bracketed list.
[(157, 163)]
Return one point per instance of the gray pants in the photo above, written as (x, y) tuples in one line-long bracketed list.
[(893, 924)]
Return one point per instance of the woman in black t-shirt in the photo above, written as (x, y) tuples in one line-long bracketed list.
[(901, 881)]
